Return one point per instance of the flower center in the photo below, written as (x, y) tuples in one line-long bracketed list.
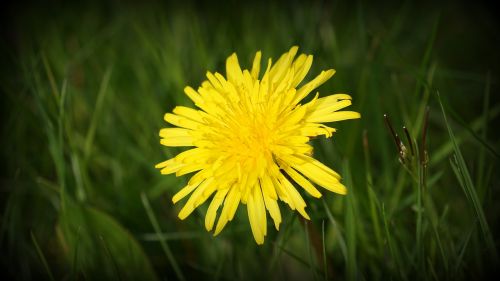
[(252, 138)]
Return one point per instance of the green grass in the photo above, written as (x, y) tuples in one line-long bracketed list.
[(85, 88)]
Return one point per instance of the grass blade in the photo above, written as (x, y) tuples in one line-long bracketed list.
[(484, 132), (309, 251), (342, 244), (374, 204), (41, 256), (458, 262), (350, 218), (465, 181), (163, 243), (325, 267), (111, 257), (391, 245), (74, 264), (103, 90)]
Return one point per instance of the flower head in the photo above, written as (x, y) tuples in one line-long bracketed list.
[(250, 141)]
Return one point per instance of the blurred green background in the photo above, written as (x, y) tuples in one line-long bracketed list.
[(85, 87)]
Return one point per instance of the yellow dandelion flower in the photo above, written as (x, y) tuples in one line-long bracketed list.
[(247, 134)]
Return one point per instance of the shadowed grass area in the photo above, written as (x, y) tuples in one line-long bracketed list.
[(85, 88)]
